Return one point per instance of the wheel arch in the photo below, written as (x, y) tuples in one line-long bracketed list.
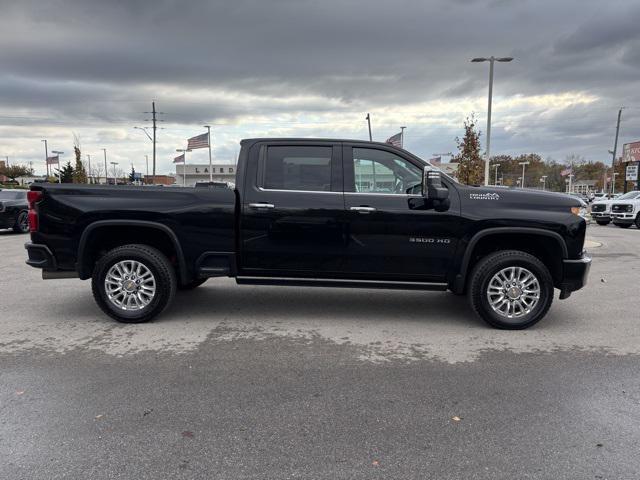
[(530, 240), (167, 242)]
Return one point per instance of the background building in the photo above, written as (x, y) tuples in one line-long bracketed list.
[(223, 172)]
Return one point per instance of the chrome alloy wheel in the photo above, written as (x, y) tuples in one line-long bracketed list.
[(513, 292), (130, 285)]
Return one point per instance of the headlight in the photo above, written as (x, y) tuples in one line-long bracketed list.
[(580, 211)]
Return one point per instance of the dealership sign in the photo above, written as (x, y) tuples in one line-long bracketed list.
[(631, 152), (632, 173)]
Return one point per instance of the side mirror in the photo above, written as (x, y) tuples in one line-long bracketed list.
[(432, 188)]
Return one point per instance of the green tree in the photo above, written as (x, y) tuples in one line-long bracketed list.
[(66, 172), (79, 172), (470, 163), (132, 175), (15, 171)]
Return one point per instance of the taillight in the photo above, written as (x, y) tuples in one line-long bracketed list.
[(33, 197)]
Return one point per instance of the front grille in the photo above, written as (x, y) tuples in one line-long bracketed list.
[(621, 208), (598, 208)]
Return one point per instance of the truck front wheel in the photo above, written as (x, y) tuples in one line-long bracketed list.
[(133, 283), (511, 289)]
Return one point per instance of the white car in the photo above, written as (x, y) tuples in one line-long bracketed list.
[(625, 210)]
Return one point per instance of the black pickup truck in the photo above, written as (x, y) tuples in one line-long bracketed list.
[(335, 213)]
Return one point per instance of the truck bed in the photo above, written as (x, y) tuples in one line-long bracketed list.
[(201, 220)]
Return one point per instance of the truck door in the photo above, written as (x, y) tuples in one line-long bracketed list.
[(293, 218), (392, 231)]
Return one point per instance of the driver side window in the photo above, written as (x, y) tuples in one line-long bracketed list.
[(379, 171)]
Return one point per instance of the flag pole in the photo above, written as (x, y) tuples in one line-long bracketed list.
[(209, 142)]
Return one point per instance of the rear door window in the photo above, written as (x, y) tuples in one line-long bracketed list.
[(304, 168)]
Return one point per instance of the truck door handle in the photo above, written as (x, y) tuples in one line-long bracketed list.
[(363, 209), (262, 205)]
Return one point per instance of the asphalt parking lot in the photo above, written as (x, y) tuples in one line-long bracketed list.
[(263, 382)]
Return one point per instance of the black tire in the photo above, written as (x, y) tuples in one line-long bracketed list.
[(602, 222), (623, 225), (638, 221), (192, 284), (489, 266), (22, 222), (151, 258)]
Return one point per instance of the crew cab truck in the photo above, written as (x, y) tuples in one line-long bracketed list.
[(625, 210), (335, 213)]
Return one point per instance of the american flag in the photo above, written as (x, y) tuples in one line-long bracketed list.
[(53, 160), (199, 141), (395, 140), (179, 159), (566, 171)]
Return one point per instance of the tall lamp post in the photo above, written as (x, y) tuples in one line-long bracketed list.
[(146, 157), (106, 172), (115, 180), (496, 166), (491, 61), (46, 157), (524, 164), (89, 168), (402, 137), (58, 153)]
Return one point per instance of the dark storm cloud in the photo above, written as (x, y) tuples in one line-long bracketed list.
[(102, 61)]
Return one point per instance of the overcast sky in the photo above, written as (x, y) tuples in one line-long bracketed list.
[(315, 68)]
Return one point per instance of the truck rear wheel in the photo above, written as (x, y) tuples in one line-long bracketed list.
[(133, 283), (603, 222), (511, 289)]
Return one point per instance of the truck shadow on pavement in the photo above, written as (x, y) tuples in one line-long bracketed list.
[(217, 300)]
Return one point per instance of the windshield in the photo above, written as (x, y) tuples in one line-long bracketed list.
[(629, 196), (11, 195)]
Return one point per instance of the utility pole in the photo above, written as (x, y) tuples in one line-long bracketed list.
[(496, 166), (146, 157), (89, 167), (369, 124), (46, 156), (210, 161), (7, 157), (615, 150), (402, 137), (106, 180), (154, 125)]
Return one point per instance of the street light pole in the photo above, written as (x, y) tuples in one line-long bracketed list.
[(115, 180), (402, 137), (146, 157), (496, 166), (369, 124), (491, 61), (89, 167), (46, 157), (523, 165), (543, 179), (106, 172)]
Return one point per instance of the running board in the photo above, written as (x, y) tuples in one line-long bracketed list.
[(58, 274), (341, 283)]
